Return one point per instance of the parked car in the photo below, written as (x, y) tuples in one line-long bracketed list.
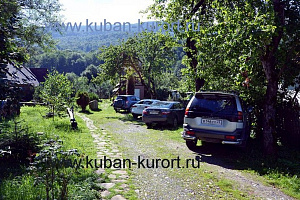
[(137, 109), (216, 117), (124, 102), (164, 112)]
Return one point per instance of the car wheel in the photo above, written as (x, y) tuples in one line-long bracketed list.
[(191, 144), (148, 125), (135, 116), (116, 110)]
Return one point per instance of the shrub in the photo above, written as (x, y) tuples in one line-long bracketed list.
[(82, 99), (93, 96)]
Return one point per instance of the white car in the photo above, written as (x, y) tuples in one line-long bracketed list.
[(137, 108), (216, 117)]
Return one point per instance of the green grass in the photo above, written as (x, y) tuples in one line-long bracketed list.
[(21, 185)]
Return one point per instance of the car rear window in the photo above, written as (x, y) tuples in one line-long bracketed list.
[(162, 104), (122, 97), (214, 103)]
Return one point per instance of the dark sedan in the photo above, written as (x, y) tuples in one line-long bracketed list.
[(164, 112)]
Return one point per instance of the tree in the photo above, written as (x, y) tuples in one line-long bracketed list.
[(130, 85), (82, 99), (56, 91), (252, 39), (22, 31), (90, 72), (185, 12), (147, 54)]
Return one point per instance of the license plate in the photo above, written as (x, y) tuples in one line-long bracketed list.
[(154, 112), (217, 122)]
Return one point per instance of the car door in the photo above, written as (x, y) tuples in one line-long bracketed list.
[(140, 107)]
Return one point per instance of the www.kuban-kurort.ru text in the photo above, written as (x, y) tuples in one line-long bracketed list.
[(141, 162)]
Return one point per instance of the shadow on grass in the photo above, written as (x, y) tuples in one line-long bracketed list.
[(97, 110), (11, 169), (232, 157), (127, 117), (162, 127), (86, 112)]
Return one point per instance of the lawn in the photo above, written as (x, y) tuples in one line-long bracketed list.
[(54, 137)]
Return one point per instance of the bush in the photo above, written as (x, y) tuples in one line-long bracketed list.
[(93, 96), (17, 144), (82, 99)]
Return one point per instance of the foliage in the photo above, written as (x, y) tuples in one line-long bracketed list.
[(93, 96), (20, 184), (239, 42), (147, 55), (90, 72), (66, 61), (57, 91), (21, 31), (82, 99), (83, 42), (17, 143), (50, 167)]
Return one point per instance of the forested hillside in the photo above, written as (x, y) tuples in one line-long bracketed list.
[(65, 60), (75, 51)]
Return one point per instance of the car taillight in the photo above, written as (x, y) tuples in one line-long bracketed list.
[(145, 112), (190, 132), (230, 137), (127, 102), (133, 106), (165, 112), (186, 112), (240, 116)]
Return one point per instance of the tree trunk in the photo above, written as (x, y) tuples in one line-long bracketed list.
[(269, 144), (130, 83), (269, 66), (191, 54)]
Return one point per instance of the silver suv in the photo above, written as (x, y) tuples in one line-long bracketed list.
[(216, 117)]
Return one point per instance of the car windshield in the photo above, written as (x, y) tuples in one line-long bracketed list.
[(214, 103), (162, 104)]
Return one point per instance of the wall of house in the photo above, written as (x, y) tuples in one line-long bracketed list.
[(142, 90)]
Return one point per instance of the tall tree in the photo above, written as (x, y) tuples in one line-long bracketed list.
[(244, 39)]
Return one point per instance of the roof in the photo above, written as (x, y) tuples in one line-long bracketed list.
[(40, 73), (21, 75)]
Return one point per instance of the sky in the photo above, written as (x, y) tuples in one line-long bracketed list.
[(98, 10)]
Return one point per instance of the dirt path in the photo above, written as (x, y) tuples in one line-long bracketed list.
[(136, 142)]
